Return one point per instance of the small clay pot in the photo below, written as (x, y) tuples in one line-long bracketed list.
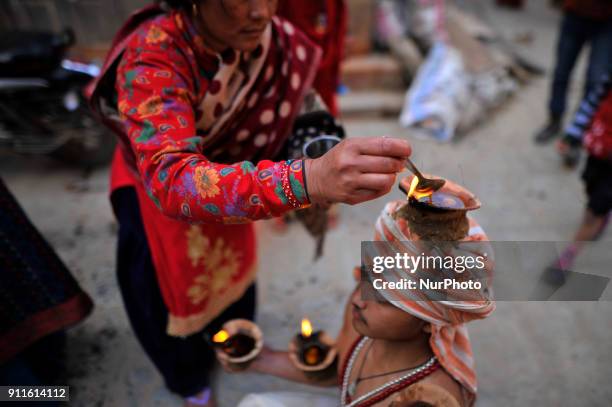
[(438, 224), (327, 368), (251, 329)]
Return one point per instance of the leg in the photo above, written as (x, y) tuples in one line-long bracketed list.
[(572, 37), (600, 58), (595, 220), (597, 177), (243, 308), (591, 228), (180, 360), (185, 363)]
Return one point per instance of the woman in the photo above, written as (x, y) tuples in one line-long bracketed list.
[(194, 92)]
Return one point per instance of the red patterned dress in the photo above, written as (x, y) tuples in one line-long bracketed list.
[(201, 133)]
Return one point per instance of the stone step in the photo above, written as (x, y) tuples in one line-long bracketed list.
[(372, 71), (371, 103)]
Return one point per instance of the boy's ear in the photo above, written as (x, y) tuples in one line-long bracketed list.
[(427, 328), (357, 274)]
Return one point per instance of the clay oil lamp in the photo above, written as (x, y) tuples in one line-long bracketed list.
[(313, 353), (240, 341), (437, 215)]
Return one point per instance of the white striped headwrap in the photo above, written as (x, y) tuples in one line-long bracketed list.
[(449, 337)]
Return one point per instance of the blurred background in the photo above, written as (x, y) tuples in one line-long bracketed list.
[(490, 65)]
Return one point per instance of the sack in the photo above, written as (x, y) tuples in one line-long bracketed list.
[(446, 99), (434, 101)]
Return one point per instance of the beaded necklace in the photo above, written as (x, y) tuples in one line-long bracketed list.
[(390, 387)]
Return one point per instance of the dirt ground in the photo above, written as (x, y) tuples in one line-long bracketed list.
[(545, 354)]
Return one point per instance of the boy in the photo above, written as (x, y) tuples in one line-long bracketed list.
[(591, 128)]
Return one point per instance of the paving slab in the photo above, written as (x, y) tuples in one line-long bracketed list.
[(545, 354)]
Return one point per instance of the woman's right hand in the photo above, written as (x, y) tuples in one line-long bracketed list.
[(356, 170)]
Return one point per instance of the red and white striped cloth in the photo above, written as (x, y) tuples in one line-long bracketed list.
[(449, 336)]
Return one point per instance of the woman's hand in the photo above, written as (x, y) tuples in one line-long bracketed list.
[(356, 170)]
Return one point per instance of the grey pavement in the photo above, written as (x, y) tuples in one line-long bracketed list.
[(546, 354)]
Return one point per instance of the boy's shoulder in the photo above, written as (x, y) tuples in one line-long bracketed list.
[(435, 391)]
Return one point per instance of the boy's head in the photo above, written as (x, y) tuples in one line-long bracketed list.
[(419, 314), (374, 317)]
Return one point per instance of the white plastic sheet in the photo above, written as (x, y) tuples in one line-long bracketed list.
[(434, 101), (288, 399), (445, 98)]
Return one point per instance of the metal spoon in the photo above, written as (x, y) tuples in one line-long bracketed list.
[(424, 184)]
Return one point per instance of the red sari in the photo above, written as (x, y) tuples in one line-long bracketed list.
[(189, 121), (324, 21)]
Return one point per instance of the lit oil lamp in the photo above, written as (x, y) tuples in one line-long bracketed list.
[(439, 215), (438, 199), (236, 346), (313, 352), (240, 341)]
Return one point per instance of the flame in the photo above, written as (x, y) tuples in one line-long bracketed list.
[(306, 328), (413, 191), (413, 185), (220, 336)]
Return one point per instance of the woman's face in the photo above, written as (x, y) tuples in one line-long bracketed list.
[(237, 24)]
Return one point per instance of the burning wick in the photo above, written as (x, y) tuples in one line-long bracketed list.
[(306, 328), (235, 346), (220, 336), (312, 351), (436, 199), (416, 194)]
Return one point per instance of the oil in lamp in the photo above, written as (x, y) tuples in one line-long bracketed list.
[(236, 346), (241, 340), (435, 199), (313, 352)]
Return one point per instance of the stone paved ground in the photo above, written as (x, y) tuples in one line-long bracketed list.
[(545, 354)]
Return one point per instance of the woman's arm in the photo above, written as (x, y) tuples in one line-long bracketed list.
[(157, 91), (156, 94)]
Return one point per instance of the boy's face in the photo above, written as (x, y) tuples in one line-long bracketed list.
[(382, 320)]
